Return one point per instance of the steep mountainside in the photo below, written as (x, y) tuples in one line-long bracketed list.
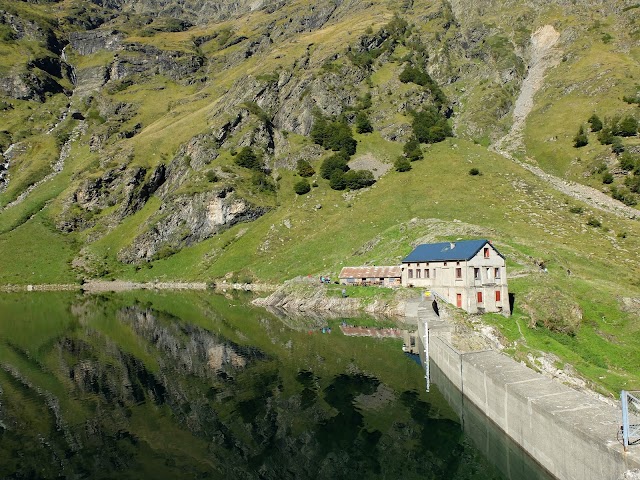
[(206, 140)]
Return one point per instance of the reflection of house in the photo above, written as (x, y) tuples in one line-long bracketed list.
[(470, 274), (384, 276)]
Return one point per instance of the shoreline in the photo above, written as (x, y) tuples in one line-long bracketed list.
[(101, 286)]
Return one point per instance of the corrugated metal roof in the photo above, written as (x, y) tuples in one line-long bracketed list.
[(371, 272), (447, 251)]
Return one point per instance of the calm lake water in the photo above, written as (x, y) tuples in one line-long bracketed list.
[(195, 385)]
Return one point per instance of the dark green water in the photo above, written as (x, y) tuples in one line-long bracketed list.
[(194, 385)]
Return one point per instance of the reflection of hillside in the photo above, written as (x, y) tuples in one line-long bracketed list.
[(186, 347), (131, 391)]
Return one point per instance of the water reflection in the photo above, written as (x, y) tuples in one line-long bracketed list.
[(192, 385)]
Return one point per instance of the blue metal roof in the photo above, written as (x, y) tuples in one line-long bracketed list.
[(443, 252)]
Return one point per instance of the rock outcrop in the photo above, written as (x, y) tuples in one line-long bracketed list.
[(187, 220)]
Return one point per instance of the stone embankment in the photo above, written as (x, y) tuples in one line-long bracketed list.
[(315, 299), (570, 433)]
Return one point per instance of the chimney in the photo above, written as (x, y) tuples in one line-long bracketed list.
[(452, 245)]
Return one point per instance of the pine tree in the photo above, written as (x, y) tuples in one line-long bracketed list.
[(580, 140)]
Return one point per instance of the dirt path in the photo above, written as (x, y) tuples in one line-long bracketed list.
[(545, 55)]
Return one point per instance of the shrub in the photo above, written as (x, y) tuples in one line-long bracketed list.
[(627, 127), (625, 196), (264, 182), (595, 122), (617, 146), (412, 150), (474, 171), (332, 163), (337, 181), (580, 140), (633, 182), (248, 159), (212, 176), (607, 178), (333, 135), (363, 125), (356, 179), (576, 209), (305, 169), (628, 162), (605, 137), (594, 222), (301, 187), (402, 164), (430, 126)]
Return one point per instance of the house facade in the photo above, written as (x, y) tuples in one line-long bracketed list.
[(469, 274), (382, 276)]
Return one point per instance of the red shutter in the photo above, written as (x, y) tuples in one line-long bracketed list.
[(497, 295), (479, 297)]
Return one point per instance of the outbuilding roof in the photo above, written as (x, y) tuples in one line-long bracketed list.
[(447, 251), (371, 272)]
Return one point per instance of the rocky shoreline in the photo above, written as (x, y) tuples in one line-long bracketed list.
[(100, 286)]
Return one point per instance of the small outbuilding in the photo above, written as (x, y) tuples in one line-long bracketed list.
[(469, 274), (382, 276)]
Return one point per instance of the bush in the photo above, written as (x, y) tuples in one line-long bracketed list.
[(302, 187), (332, 163), (627, 127), (628, 162), (607, 178), (594, 222), (625, 196), (212, 176), (402, 164), (305, 169), (264, 182), (595, 122), (333, 135), (605, 137), (430, 126), (617, 146), (474, 171), (337, 181), (576, 209), (247, 159), (580, 140), (412, 150), (363, 125), (356, 179), (633, 182)]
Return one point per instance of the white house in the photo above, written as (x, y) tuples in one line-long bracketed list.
[(469, 274)]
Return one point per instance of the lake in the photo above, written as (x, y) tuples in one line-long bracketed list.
[(196, 385)]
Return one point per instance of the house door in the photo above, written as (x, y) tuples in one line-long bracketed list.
[(459, 300)]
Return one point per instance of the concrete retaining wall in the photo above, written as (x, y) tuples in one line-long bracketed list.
[(571, 434)]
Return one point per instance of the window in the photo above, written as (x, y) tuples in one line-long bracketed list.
[(488, 274), (479, 297), (434, 273), (458, 272), (459, 300), (418, 271), (426, 273), (486, 252), (497, 296), (497, 273), (445, 264), (476, 274), (410, 273)]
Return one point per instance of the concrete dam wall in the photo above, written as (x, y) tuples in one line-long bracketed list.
[(569, 433)]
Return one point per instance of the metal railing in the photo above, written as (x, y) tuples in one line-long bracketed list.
[(630, 413)]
